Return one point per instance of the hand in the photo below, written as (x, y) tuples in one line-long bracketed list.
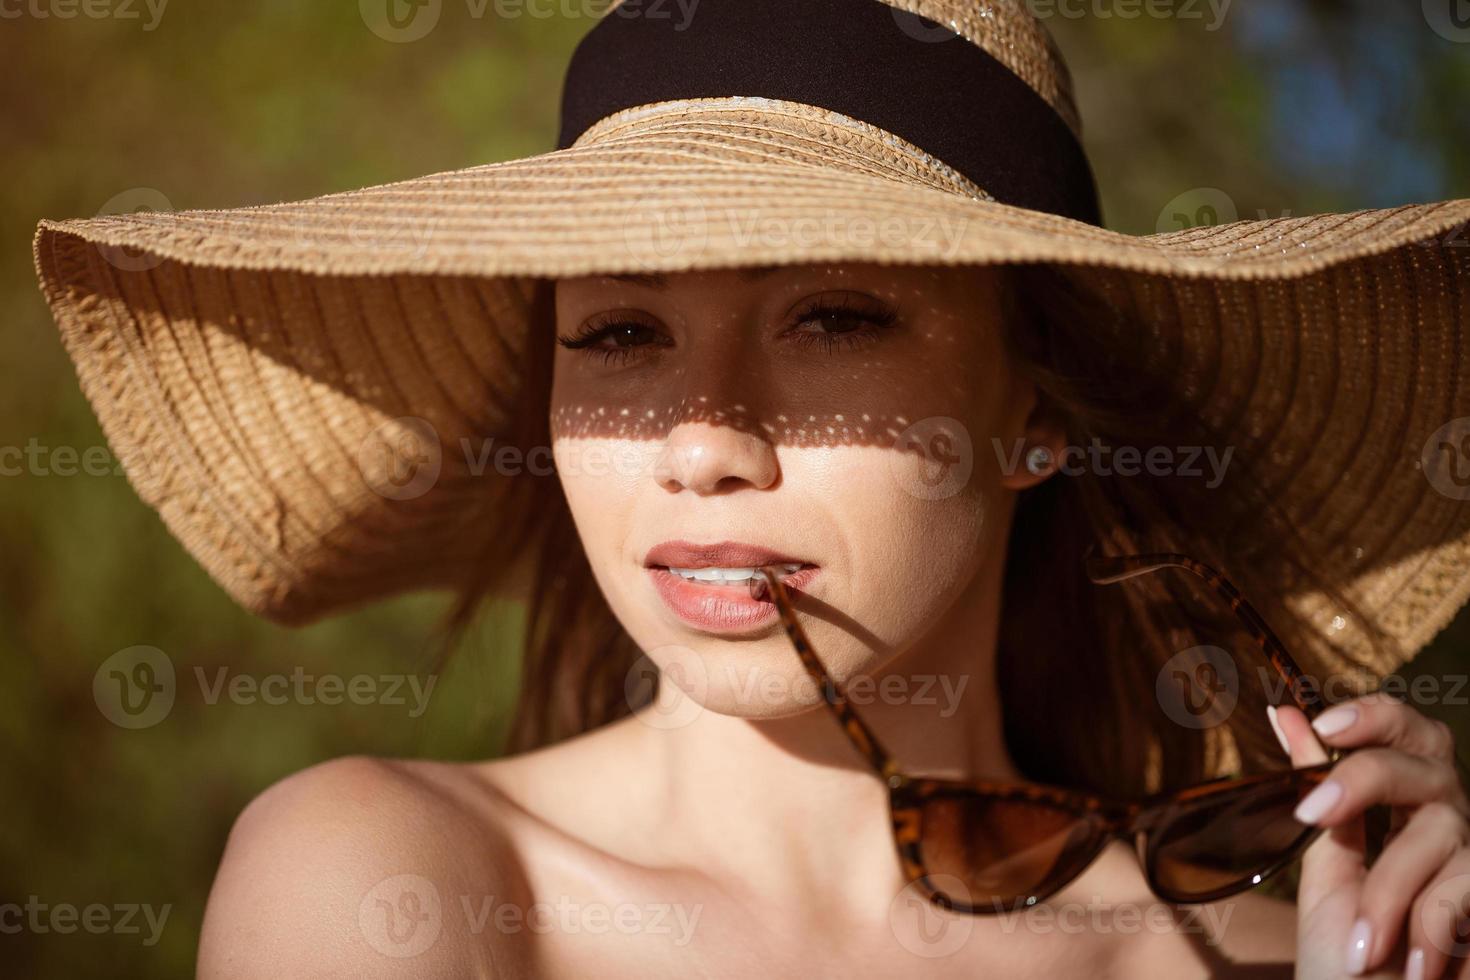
[(1403, 916)]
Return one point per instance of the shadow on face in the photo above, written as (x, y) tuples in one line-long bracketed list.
[(862, 419)]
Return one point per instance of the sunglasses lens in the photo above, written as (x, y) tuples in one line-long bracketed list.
[(1226, 839), (1002, 851)]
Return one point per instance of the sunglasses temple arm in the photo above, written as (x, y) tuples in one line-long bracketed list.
[(1305, 695), (856, 730)]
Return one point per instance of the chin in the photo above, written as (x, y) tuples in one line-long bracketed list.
[(756, 678)]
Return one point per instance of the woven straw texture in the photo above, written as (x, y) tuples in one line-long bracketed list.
[(254, 367)]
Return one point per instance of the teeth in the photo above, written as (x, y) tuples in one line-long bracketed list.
[(725, 576)]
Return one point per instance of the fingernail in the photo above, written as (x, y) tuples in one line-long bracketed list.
[(1318, 802), (1334, 720), (1357, 951), (1276, 727), (1414, 968)]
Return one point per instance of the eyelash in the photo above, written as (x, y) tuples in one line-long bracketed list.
[(587, 338)]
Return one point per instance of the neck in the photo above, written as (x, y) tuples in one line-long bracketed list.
[(795, 791)]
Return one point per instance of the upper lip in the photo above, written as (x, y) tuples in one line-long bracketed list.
[(721, 554)]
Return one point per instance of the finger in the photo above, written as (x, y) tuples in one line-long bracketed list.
[(1301, 742), (1334, 861), (1380, 719), (1403, 871), (1437, 926), (1378, 775)]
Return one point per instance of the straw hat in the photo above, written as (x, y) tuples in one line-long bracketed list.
[(289, 385)]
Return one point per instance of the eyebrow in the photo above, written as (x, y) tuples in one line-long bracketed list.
[(661, 282)]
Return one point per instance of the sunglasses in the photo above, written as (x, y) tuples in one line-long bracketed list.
[(1009, 845)]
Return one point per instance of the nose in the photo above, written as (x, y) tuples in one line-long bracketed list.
[(707, 459)]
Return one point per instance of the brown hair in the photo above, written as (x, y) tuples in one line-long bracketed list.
[(1090, 654)]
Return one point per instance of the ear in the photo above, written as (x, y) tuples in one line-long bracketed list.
[(1041, 429)]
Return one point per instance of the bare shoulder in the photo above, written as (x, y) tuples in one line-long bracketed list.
[(348, 869), (1250, 935)]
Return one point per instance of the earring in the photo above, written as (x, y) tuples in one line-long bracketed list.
[(1038, 460)]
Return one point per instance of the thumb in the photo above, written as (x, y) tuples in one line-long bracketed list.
[(1335, 859)]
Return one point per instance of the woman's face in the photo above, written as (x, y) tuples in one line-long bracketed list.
[(860, 420)]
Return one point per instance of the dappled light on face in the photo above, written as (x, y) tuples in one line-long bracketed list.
[(808, 356), (782, 428)]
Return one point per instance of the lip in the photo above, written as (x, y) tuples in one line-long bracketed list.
[(720, 608)]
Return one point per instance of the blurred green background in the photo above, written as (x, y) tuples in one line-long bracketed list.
[(1277, 108)]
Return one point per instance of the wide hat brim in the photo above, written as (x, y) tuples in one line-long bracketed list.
[(257, 369)]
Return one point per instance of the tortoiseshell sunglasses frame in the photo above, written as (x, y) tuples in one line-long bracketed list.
[(1114, 818)]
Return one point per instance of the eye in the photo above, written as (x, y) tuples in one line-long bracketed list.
[(848, 321), (614, 337)]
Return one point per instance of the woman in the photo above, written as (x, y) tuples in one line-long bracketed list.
[(770, 308)]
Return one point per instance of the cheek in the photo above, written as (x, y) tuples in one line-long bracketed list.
[(916, 526), (602, 478)]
